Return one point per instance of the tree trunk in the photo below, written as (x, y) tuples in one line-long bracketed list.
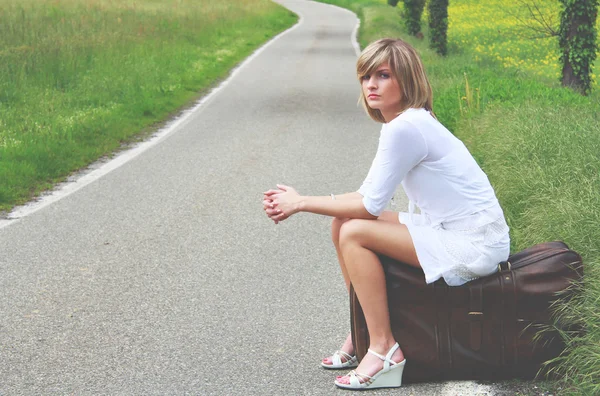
[(413, 10), (438, 26), (578, 43), (569, 79)]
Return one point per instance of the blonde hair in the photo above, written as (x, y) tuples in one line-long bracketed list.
[(405, 65)]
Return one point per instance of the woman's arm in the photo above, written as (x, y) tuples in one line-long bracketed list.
[(346, 207), (352, 195), (281, 204), (401, 147)]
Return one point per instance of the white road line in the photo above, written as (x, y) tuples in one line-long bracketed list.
[(459, 388), (354, 39)]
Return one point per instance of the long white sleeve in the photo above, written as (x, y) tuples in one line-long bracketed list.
[(401, 148)]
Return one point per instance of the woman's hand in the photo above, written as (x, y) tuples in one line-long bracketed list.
[(269, 206), (281, 203)]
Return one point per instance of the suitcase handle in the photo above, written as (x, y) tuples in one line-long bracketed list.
[(504, 265)]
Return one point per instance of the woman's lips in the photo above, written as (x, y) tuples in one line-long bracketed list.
[(372, 96)]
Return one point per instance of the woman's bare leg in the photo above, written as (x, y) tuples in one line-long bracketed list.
[(360, 241), (336, 224)]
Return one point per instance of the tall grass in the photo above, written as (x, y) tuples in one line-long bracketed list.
[(80, 77), (544, 161), (538, 143)]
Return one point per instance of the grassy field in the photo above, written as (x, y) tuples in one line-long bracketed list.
[(512, 38), (78, 78), (539, 143)]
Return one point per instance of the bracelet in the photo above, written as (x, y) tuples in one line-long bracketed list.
[(333, 197)]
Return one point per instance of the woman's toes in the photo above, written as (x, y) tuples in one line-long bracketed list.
[(343, 379)]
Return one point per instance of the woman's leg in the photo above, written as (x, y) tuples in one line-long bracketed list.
[(336, 224), (359, 242)]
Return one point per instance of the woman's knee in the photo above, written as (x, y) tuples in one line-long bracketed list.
[(351, 230), (336, 225)]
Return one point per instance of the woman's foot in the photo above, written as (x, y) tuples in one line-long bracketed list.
[(371, 364), (345, 354)]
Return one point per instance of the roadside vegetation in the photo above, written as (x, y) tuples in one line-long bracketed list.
[(499, 91), (79, 78)]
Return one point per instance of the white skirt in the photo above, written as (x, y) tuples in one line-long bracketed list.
[(459, 250)]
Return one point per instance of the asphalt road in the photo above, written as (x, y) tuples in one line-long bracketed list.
[(164, 276)]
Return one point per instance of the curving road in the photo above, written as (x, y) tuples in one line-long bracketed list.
[(164, 276)]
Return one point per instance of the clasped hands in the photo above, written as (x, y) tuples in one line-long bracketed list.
[(280, 203)]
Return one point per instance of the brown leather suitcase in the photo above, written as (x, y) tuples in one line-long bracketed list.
[(484, 329)]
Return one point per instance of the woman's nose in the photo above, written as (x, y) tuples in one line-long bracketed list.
[(371, 83)]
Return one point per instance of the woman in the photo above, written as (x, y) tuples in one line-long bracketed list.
[(460, 234)]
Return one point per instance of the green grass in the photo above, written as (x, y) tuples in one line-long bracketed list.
[(539, 143), (544, 162), (78, 78)]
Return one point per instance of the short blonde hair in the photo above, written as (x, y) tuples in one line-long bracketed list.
[(406, 67)]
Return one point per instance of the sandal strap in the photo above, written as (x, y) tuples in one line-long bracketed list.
[(387, 359), (336, 358), (356, 377), (345, 354), (376, 354)]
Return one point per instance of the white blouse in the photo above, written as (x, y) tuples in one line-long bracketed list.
[(436, 170)]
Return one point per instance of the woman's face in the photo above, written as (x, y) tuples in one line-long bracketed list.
[(382, 92)]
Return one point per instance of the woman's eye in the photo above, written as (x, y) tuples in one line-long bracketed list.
[(384, 75), (366, 77)]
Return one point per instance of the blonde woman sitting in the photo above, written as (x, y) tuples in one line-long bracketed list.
[(460, 234)]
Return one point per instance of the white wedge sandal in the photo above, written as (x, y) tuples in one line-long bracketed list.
[(390, 376), (337, 363)]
